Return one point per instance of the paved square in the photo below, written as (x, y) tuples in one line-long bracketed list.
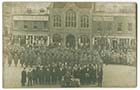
[(113, 76)]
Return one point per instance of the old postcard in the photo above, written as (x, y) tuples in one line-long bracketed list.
[(69, 44)]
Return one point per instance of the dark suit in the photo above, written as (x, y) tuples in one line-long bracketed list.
[(23, 77)]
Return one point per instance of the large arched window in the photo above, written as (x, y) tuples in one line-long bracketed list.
[(70, 18), (84, 21), (57, 21)]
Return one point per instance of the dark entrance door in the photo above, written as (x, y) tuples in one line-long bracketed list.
[(70, 41), (57, 40)]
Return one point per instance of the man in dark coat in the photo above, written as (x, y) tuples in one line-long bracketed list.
[(43, 75), (23, 77), (60, 74), (54, 75), (30, 77), (34, 73), (47, 74), (38, 74), (67, 79), (100, 77), (87, 75), (93, 74), (82, 75)]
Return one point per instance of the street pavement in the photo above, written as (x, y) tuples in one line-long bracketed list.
[(113, 76), (119, 76)]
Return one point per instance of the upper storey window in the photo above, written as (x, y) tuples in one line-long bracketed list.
[(27, 25), (84, 21), (57, 21), (129, 26), (119, 28), (70, 18), (29, 10)]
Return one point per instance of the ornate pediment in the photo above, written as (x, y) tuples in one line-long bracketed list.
[(70, 5)]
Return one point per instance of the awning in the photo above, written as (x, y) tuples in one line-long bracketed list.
[(31, 18)]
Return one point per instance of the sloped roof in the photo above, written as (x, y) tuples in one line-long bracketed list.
[(78, 4)]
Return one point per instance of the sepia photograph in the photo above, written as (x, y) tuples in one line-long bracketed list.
[(69, 44)]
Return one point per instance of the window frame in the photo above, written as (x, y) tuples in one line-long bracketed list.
[(57, 21), (70, 19), (84, 21)]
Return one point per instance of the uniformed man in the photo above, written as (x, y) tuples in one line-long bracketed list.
[(38, 59), (9, 59), (16, 59), (26, 57), (22, 59)]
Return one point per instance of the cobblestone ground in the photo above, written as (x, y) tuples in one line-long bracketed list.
[(113, 76)]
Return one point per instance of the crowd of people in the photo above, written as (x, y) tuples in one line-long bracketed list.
[(57, 65), (64, 74), (43, 55), (64, 66)]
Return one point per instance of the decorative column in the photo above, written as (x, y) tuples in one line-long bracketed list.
[(19, 39), (109, 41), (76, 42), (26, 39), (79, 42), (130, 42), (64, 41), (118, 40), (48, 40), (91, 42), (33, 39)]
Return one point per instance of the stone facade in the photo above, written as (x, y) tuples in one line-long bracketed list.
[(77, 25), (115, 24)]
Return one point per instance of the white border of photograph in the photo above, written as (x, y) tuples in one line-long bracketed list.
[(138, 43)]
